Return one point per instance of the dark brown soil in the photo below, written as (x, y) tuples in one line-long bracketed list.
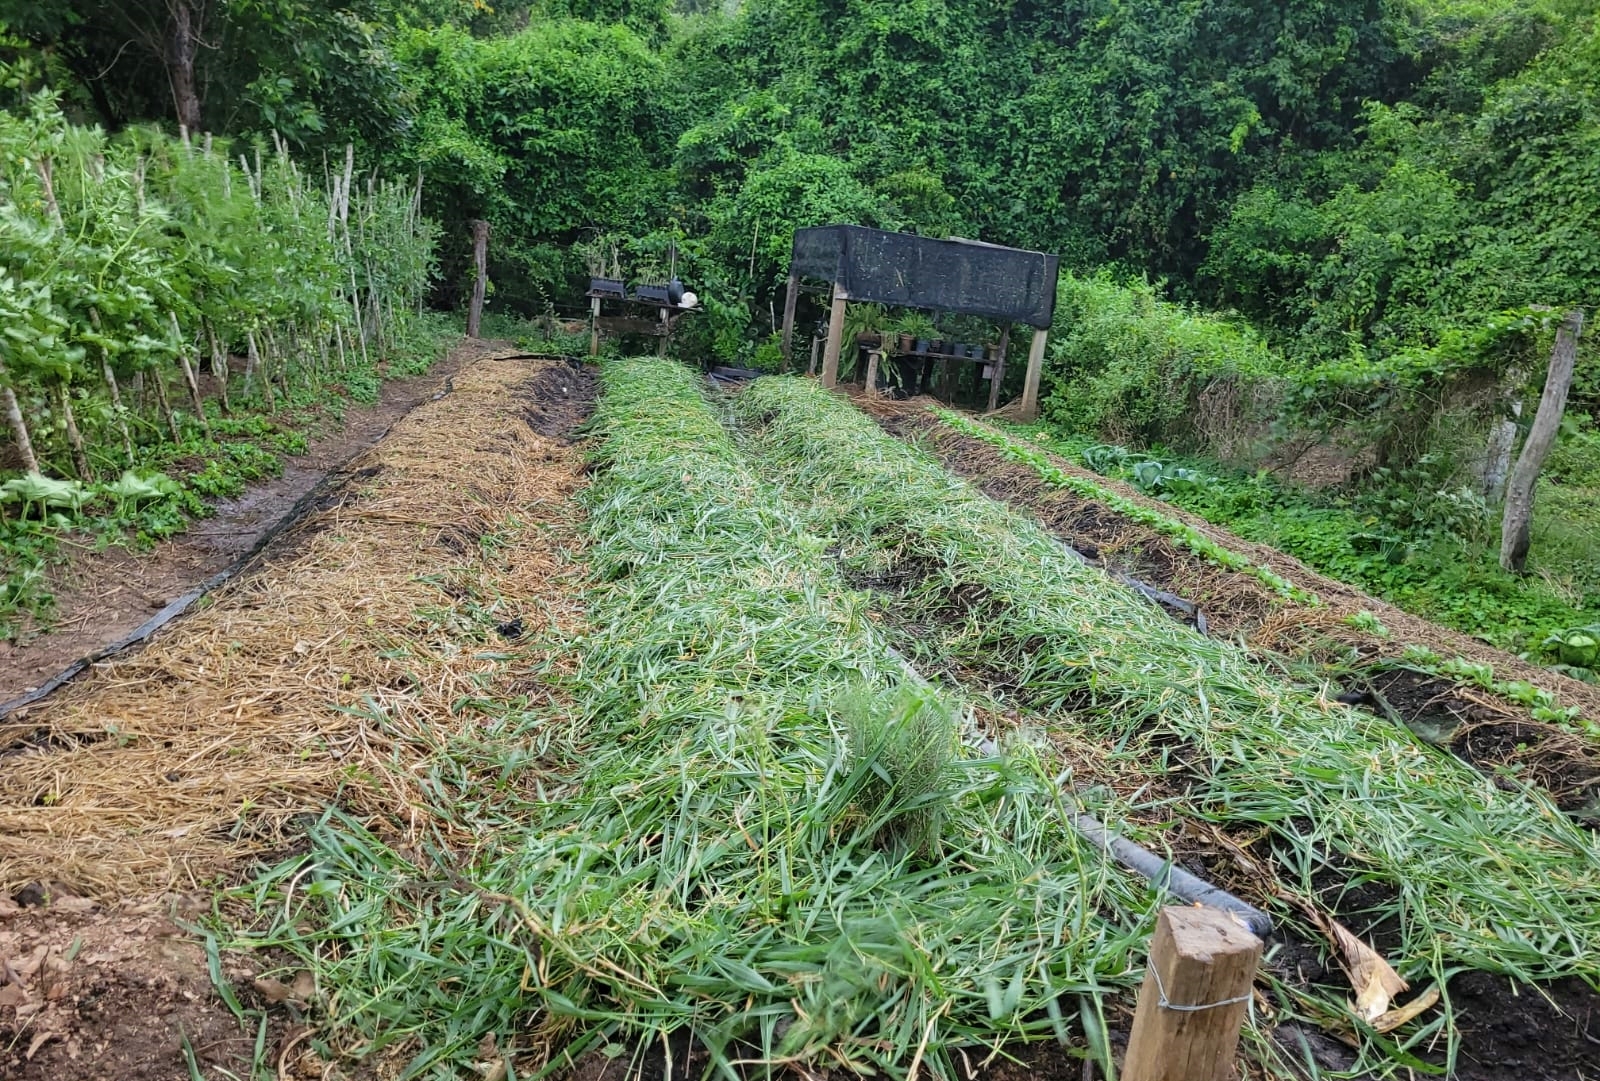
[(101, 596), (120, 994), (1494, 734), (559, 400)]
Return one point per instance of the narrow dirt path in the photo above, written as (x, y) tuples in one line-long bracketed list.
[(326, 674), (101, 596)]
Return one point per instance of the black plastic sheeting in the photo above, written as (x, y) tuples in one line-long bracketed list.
[(965, 277)]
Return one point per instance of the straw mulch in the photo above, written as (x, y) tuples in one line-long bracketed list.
[(323, 674)]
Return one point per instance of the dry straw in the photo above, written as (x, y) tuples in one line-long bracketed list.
[(323, 675)]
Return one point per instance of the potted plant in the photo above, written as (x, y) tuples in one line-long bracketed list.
[(864, 323), (600, 258), (916, 331)]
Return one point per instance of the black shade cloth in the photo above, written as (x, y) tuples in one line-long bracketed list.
[(961, 276)]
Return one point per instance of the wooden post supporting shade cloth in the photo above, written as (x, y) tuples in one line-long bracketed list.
[(791, 295), (830, 355), (1195, 997), (594, 326), (999, 375), (1030, 384), (480, 275)]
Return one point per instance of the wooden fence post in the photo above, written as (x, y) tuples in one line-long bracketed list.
[(998, 375), (1518, 519), (1196, 994), (1030, 384), (830, 355), (480, 276), (789, 297)]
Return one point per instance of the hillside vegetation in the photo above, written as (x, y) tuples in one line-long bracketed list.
[(1391, 203)]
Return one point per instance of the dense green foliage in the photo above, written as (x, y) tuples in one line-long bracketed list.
[(1387, 194), (129, 272)]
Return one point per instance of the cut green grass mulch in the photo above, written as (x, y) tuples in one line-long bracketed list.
[(749, 829), (1470, 875)]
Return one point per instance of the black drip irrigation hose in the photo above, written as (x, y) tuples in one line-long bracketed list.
[(175, 608), (1160, 597), (1160, 871)]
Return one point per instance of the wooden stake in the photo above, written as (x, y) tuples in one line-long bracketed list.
[(594, 326), (219, 368), (158, 377), (1195, 997), (480, 275), (790, 296), (117, 408), (110, 377), (1030, 384), (999, 374), (189, 378), (19, 427), (872, 372), (1516, 525), (80, 457), (830, 355)]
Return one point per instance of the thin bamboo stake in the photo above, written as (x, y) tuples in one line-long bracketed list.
[(118, 410), (189, 378), (80, 457), (159, 379), (19, 427), (47, 178), (219, 368), (252, 361)]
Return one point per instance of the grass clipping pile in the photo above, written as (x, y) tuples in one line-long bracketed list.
[(323, 676)]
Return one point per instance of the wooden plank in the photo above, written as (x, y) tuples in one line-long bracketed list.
[(1195, 997), (873, 356), (999, 368), (1030, 383), (594, 327), (790, 295), (830, 355)]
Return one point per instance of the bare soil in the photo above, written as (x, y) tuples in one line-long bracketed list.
[(121, 992), (101, 596)]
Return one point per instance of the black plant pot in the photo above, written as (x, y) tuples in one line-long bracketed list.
[(608, 287)]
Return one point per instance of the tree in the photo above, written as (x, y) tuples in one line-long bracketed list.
[(1515, 527)]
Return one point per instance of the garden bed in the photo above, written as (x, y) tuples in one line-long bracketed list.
[(336, 672), (1328, 634)]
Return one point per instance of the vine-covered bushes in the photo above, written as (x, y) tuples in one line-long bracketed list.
[(1137, 369)]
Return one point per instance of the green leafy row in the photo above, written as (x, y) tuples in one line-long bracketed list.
[(748, 827), (1191, 538), (1469, 874)]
